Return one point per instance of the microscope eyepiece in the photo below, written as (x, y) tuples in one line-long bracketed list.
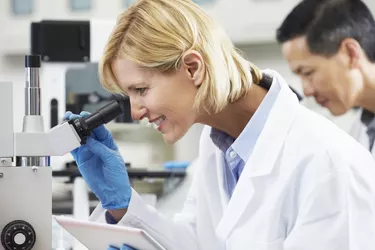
[(85, 125), (32, 61)]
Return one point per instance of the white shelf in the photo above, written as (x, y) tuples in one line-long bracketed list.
[(18, 43), (15, 44), (15, 40), (237, 19), (245, 21)]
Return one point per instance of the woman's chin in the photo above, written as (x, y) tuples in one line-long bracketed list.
[(170, 139)]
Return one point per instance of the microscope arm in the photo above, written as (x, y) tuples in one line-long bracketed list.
[(59, 141)]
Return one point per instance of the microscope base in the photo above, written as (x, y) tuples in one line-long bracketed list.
[(25, 208)]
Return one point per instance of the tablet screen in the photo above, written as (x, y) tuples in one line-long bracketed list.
[(98, 236)]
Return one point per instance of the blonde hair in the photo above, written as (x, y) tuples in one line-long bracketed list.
[(157, 33)]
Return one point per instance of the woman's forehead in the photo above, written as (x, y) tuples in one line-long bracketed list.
[(129, 73), (123, 64)]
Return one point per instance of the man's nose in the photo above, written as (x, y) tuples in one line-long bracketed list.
[(308, 89)]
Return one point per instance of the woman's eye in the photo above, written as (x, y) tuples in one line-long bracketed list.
[(140, 90)]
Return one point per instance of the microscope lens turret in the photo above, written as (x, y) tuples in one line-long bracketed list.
[(85, 125)]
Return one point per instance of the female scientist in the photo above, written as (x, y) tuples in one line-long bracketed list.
[(270, 173)]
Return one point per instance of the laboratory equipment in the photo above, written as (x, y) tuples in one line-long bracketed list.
[(25, 172), (76, 102), (83, 126), (65, 45)]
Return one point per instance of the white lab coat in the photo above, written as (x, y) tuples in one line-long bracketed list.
[(358, 131), (307, 186)]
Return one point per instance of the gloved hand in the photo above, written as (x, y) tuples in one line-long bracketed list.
[(102, 167), (124, 247)]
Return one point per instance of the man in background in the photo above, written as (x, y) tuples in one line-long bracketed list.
[(330, 46)]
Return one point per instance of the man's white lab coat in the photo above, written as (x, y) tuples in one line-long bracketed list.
[(359, 132)]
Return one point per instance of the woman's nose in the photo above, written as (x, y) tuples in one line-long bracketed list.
[(137, 112)]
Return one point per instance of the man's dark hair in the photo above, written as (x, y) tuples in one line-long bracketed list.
[(326, 23)]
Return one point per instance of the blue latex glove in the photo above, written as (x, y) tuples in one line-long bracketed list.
[(102, 167), (124, 247)]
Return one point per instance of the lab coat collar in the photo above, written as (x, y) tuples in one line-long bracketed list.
[(275, 130), (264, 156), (250, 134)]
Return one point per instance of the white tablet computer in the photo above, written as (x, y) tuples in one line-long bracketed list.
[(99, 236)]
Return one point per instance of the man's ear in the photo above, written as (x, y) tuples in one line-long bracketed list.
[(352, 49), (193, 65)]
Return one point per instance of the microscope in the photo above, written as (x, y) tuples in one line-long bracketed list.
[(25, 167)]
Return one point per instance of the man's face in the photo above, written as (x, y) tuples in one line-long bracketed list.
[(330, 80)]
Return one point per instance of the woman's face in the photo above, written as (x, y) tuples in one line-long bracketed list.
[(166, 99)]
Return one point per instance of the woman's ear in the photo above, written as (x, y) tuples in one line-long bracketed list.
[(193, 65)]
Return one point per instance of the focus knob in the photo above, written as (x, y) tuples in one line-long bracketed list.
[(18, 235)]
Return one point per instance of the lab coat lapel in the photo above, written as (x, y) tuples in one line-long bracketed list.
[(263, 158), (217, 198), (224, 198)]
